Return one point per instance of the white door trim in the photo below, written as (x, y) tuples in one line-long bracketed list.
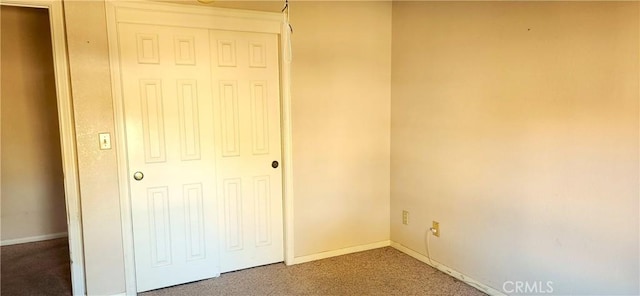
[(203, 17), (287, 141), (67, 135)]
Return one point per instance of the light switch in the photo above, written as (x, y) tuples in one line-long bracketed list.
[(105, 141)]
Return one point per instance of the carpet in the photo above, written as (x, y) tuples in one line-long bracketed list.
[(40, 268), (384, 271)]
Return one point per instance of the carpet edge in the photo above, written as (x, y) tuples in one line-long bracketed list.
[(448, 270), (339, 252)]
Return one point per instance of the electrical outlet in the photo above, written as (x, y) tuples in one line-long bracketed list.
[(405, 217), (435, 228)]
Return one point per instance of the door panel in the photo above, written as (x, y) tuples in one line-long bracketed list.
[(202, 119), (170, 139), (246, 92)]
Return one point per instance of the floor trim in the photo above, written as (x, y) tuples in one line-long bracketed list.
[(448, 270), (344, 251), (32, 239)]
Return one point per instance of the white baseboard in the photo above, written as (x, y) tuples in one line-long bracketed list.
[(328, 254), (437, 265), (120, 294), (32, 239)]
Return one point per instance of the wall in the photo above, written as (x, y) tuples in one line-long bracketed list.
[(341, 75), (33, 203), (91, 92), (515, 125), (341, 122)]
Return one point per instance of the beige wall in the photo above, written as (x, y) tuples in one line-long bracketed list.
[(515, 125), (341, 119), (91, 92), (340, 97), (32, 195)]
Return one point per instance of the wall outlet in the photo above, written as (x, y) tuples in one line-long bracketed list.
[(435, 228), (405, 217)]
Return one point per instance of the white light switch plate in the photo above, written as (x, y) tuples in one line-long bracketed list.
[(105, 141)]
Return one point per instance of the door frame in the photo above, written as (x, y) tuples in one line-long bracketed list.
[(67, 135), (146, 12)]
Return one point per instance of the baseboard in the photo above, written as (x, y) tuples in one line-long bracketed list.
[(437, 265), (32, 239), (120, 294), (328, 254)]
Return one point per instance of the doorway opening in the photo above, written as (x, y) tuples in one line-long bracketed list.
[(35, 251), (40, 225)]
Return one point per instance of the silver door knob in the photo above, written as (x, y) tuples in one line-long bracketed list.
[(138, 175)]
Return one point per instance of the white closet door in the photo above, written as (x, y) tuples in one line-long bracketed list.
[(166, 85), (246, 92)]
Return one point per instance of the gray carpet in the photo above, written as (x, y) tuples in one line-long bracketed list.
[(384, 271), (40, 268), (43, 269)]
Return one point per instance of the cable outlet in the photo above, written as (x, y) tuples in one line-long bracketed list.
[(435, 228), (405, 217)]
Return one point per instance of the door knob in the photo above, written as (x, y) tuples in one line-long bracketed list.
[(138, 175), (274, 164)]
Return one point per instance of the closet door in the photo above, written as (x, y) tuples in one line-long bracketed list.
[(246, 90), (166, 87), (203, 149)]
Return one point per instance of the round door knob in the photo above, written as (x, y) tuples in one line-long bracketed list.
[(274, 164), (138, 175)]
